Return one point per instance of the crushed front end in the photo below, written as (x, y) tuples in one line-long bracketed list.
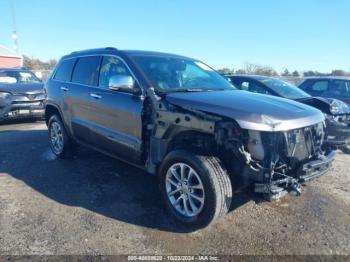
[(278, 162)]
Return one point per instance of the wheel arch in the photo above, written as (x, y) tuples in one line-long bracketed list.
[(50, 110)]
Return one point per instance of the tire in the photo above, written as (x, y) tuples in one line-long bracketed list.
[(345, 149), (63, 142), (216, 184)]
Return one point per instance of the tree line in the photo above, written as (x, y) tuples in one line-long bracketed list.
[(248, 69), (254, 69), (32, 63)]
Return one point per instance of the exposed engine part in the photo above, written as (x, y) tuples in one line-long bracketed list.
[(255, 146)]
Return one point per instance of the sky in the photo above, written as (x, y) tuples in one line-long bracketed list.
[(293, 34)]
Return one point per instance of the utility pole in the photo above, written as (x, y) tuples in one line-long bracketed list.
[(14, 32)]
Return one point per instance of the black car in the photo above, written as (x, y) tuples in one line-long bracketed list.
[(337, 112), (176, 118), (333, 87), (21, 94)]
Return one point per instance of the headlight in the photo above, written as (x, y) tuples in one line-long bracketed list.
[(4, 95), (334, 109), (338, 107)]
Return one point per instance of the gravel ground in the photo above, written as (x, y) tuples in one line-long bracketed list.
[(92, 204)]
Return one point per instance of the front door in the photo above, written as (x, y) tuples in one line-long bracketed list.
[(116, 115)]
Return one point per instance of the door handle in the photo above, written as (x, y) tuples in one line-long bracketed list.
[(65, 89), (96, 96)]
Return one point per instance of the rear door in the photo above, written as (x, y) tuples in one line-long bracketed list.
[(77, 100), (340, 89), (318, 87), (116, 115)]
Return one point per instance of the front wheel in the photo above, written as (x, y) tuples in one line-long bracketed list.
[(196, 189)]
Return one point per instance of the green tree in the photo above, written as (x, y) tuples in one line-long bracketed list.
[(295, 73), (226, 71), (36, 64), (338, 73), (241, 72), (286, 73)]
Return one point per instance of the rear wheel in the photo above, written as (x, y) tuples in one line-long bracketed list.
[(59, 141), (196, 189), (346, 149)]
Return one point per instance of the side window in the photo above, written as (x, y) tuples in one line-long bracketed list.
[(86, 70), (245, 86), (111, 66), (254, 87), (64, 70), (319, 86), (340, 88)]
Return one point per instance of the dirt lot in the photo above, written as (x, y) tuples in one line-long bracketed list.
[(93, 204)]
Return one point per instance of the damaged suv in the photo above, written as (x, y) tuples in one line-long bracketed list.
[(177, 118)]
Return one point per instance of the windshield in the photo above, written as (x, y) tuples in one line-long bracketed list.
[(285, 89), (17, 77), (169, 74)]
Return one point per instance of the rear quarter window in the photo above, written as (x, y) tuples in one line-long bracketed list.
[(64, 70)]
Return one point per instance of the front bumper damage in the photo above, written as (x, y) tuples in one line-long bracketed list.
[(280, 161), (277, 188)]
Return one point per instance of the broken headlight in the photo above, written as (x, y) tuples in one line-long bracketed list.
[(255, 146), (337, 107)]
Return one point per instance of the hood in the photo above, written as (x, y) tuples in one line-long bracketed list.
[(251, 111), (327, 105), (22, 88)]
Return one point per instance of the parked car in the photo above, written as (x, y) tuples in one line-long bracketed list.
[(333, 87), (177, 118), (337, 112), (21, 94)]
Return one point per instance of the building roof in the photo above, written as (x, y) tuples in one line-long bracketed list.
[(6, 52)]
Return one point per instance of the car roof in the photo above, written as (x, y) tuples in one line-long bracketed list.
[(113, 50), (255, 77), (327, 78)]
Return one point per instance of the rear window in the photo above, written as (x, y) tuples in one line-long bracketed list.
[(64, 70), (86, 70)]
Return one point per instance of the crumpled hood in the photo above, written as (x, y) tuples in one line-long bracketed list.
[(251, 111), (22, 88), (325, 104)]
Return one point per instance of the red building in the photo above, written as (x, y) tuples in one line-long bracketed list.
[(9, 58)]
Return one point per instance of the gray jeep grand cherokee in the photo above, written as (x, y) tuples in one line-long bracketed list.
[(177, 118)]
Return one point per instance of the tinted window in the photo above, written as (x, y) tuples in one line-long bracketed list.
[(172, 74), (319, 86), (64, 70), (340, 88), (86, 70), (111, 66), (254, 87), (284, 89)]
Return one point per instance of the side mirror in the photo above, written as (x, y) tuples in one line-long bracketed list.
[(122, 82)]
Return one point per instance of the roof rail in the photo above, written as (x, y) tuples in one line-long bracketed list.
[(95, 49), (112, 48)]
